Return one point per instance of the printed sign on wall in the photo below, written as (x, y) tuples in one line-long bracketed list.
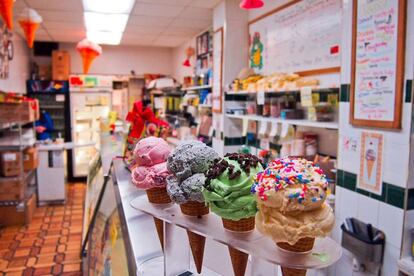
[(370, 170)]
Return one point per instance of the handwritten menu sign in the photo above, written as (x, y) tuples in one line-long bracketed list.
[(298, 36), (377, 63)]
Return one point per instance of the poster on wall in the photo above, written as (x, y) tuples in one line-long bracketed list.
[(378, 63), (370, 168), (217, 71), (299, 36)]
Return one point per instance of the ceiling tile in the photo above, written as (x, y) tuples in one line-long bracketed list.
[(182, 31), (210, 4), (191, 23), (197, 13), (156, 21), (49, 15), (58, 5), (167, 2), (63, 25), (143, 30), (170, 41), (128, 39), (157, 10)]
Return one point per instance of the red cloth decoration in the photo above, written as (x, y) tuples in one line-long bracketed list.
[(251, 4), (139, 116)]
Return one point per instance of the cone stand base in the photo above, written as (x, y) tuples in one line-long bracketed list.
[(159, 225)]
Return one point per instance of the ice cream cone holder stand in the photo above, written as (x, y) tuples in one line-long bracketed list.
[(146, 257)]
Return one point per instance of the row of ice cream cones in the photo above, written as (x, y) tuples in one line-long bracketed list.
[(276, 200)]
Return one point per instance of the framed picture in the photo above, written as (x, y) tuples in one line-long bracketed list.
[(202, 43), (377, 69), (370, 167)]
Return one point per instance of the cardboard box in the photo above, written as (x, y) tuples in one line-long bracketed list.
[(20, 214), (60, 65), (12, 188), (30, 159), (45, 72), (27, 111), (10, 163)]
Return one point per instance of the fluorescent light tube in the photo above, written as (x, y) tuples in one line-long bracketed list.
[(110, 38), (109, 6), (105, 22)]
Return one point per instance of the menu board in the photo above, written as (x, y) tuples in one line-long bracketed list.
[(298, 36), (378, 63), (217, 70)]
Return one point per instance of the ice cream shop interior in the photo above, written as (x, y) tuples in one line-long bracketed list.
[(207, 137)]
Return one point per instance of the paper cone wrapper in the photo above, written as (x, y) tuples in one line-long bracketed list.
[(370, 166), (301, 246), (6, 11), (88, 55), (197, 242), (159, 196), (238, 258), (29, 29)]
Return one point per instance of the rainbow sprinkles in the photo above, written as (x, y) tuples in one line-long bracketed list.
[(302, 180)]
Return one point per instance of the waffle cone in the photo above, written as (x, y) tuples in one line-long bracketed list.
[(29, 28), (370, 167), (243, 225), (238, 261), (238, 258), (197, 242), (160, 231), (194, 208), (88, 55), (302, 245), (158, 196)]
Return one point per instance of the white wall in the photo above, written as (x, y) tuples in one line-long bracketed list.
[(19, 68), (178, 57), (123, 59)]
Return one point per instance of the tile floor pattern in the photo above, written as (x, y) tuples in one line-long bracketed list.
[(50, 244)]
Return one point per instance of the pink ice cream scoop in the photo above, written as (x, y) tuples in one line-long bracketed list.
[(147, 177), (151, 151)]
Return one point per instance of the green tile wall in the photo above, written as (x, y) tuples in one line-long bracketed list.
[(408, 91), (344, 93), (391, 194)]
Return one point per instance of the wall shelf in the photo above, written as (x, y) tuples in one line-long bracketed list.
[(284, 92), (301, 122), (194, 88)]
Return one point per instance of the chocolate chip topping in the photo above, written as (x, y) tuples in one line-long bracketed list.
[(245, 161)]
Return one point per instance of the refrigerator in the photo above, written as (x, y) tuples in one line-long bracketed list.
[(54, 98), (91, 102)]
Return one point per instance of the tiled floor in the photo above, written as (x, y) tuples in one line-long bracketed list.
[(50, 245)]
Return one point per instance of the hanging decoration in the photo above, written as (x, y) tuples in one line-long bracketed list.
[(251, 4), (6, 11), (189, 52), (88, 51), (29, 21)]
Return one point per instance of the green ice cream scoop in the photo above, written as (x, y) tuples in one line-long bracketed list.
[(228, 184)]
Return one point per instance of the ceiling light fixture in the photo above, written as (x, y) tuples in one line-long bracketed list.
[(105, 20), (108, 6), (110, 38)]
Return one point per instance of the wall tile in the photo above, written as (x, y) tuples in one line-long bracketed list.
[(410, 199), (368, 210), (350, 180), (408, 91), (391, 257), (349, 204), (390, 220), (395, 196)]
